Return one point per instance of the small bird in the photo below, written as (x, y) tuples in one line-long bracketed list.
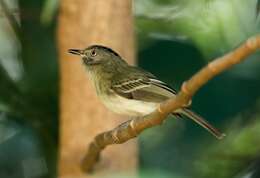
[(129, 90)]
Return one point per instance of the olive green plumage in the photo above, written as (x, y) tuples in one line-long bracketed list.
[(126, 89)]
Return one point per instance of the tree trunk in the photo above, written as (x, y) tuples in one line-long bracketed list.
[(82, 23)]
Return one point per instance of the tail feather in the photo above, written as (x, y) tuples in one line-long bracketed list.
[(202, 122)]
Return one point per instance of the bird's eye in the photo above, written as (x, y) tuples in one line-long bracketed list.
[(93, 53)]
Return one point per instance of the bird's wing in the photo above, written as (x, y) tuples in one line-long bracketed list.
[(143, 88)]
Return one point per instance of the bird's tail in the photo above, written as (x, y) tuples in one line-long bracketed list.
[(202, 122)]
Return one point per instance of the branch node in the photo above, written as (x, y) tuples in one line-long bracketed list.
[(211, 67), (132, 127), (160, 109), (252, 42), (114, 136), (184, 88), (189, 103), (95, 143)]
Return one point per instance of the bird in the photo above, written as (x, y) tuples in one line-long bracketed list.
[(130, 90)]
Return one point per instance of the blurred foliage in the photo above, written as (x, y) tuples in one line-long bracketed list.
[(257, 8), (21, 151), (214, 26), (31, 96), (49, 10), (176, 38), (236, 156)]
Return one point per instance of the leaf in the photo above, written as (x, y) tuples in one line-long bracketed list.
[(49, 10), (257, 8)]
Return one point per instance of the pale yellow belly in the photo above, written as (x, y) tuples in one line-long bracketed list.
[(129, 107)]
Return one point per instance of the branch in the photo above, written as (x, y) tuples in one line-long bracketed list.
[(132, 128)]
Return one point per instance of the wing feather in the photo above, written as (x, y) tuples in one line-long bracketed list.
[(130, 85), (144, 89)]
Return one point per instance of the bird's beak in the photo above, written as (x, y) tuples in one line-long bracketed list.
[(76, 51)]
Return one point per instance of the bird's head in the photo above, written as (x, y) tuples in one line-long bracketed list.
[(97, 55)]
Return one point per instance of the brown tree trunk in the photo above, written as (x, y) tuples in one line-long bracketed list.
[(82, 23)]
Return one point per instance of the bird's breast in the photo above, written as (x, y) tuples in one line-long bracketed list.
[(129, 107)]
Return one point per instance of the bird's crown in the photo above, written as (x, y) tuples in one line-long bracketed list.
[(104, 48)]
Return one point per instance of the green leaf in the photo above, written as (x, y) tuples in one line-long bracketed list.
[(49, 10)]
